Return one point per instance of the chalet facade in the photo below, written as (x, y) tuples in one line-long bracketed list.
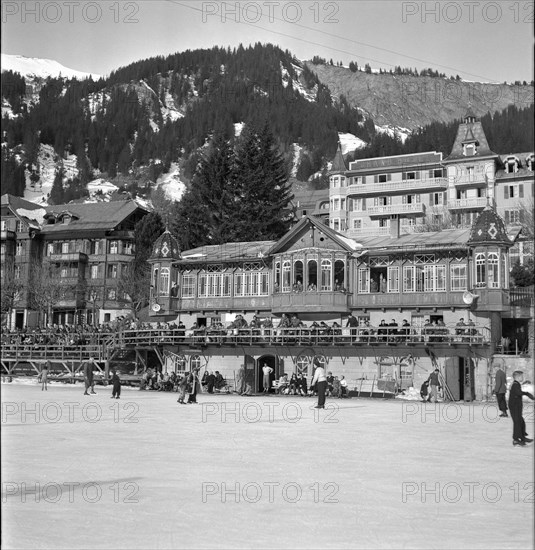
[(83, 246), (320, 277), (407, 191)]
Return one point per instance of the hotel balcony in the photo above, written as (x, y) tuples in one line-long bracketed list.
[(468, 204), (7, 235), (68, 257), (389, 187), (473, 181), (368, 232), (417, 208)]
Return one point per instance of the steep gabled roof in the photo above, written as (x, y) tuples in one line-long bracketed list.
[(344, 242), (469, 132), (339, 164), (227, 252), (18, 202), (92, 216), (26, 211)]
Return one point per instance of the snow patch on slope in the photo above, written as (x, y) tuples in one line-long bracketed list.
[(402, 133), (350, 143), (41, 68), (171, 183)]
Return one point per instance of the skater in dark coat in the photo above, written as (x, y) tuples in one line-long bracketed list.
[(515, 408), (499, 389), (116, 390)]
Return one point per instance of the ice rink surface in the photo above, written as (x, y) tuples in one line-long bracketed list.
[(258, 472)]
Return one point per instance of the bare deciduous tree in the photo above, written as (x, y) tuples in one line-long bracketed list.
[(134, 283)]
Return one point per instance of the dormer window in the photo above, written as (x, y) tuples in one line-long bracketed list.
[(530, 162), (66, 220), (511, 165), (469, 149)]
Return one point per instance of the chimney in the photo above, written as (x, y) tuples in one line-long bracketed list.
[(394, 226)]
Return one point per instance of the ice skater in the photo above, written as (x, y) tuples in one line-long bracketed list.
[(320, 380), (44, 376), (194, 386), (116, 390), (88, 376), (182, 386), (520, 437), (499, 389)]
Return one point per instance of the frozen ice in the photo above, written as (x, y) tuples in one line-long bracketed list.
[(363, 473)]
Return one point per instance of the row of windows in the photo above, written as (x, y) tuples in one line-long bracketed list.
[(91, 247), (416, 278), (340, 181), (250, 283)]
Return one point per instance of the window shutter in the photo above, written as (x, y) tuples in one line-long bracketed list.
[(506, 192), (507, 216), (521, 190), (364, 204), (375, 179)]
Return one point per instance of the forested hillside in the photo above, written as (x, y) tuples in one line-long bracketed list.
[(158, 113)]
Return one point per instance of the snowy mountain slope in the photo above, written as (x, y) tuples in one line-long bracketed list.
[(40, 68)]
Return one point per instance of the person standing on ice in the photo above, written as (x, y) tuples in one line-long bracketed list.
[(44, 376), (88, 376), (116, 390), (500, 389), (194, 385), (520, 437), (434, 385), (320, 380), (267, 371), (240, 380)]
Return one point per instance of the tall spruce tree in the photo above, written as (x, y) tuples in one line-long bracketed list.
[(207, 212), (262, 180)]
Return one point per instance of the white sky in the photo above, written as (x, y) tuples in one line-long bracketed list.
[(480, 40)]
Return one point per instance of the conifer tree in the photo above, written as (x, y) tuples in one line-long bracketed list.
[(262, 180), (57, 193)]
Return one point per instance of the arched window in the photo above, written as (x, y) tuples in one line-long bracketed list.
[(298, 274), (180, 363), (155, 280), (164, 281), (505, 270), (302, 363), (195, 362), (481, 270), (326, 275), (286, 276), (277, 285), (339, 274), (493, 270), (312, 282)]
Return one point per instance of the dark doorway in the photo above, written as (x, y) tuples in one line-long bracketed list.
[(467, 367), (19, 319), (270, 361), (454, 379)]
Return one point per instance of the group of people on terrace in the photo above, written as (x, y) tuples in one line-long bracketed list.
[(297, 385), (289, 330)]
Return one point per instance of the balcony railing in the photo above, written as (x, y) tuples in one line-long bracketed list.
[(68, 257), (422, 185), (413, 208), (319, 335), (468, 181), (521, 297), (368, 232), (335, 301), (459, 204)]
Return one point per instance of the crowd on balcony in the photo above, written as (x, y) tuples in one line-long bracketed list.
[(290, 330)]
